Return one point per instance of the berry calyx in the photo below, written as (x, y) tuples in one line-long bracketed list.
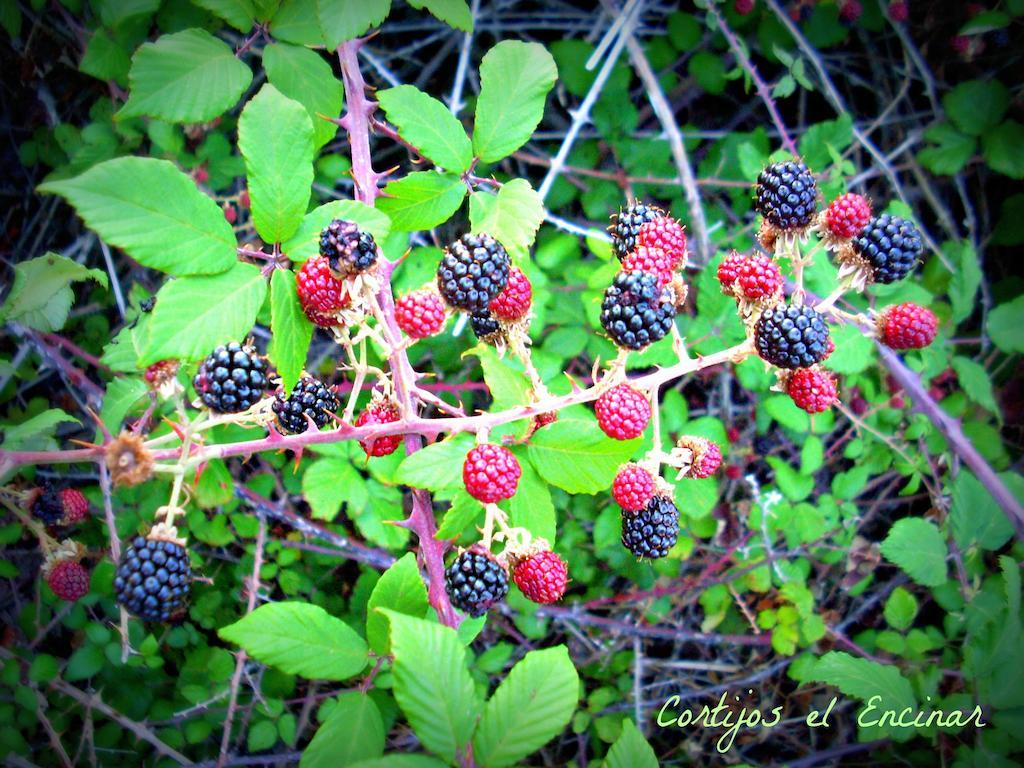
[(650, 259), (231, 379), (473, 271), (68, 579), (637, 310), (791, 336), (787, 195), (309, 397), (347, 249), (665, 233), (847, 215), (420, 314), (812, 389), (321, 294), (890, 246), (633, 487), (541, 577), (757, 277), (626, 224), (475, 581), (622, 412), (153, 579), (74, 505), (907, 326), (380, 411), (706, 455), (651, 532), (491, 473), (513, 303)]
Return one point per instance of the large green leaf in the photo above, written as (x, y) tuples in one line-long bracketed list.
[(34, 433), (422, 200), (296, 22), (531, 506), (515, 78), (630, 750), (195, 314), (975, 516), (1005, 325), (916, 546), (454, 13), (154, 212), (187, 77), (977, 105), (354, 731), (240, 14), (1002, 149), (301, 639), (303, 75), (432, 684), (41, 295), (576, 456), (428, 125), (342, 20), (275, 136), (437, 466), (400, 589), (292, 330), (304, 244), (328, 483), (512, 216), (530, 707)]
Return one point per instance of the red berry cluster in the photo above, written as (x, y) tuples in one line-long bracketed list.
[(907, 326), (491, 473), (623, 412), (380, 411), (321, 294)]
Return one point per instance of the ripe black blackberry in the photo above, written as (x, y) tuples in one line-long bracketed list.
[(347, 248), (475, 581), (786, 195), (626, 226), (637, 310), (485, 325), (309, 397), (891, 246), (652, 531), (473, 270), (153, 579), (789, 336), (232, 379), (46, 505)]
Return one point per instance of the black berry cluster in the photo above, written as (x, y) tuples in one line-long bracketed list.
[(626, 226), (153, 579), (791, 337), (786, 195), (891, 246), (473, 270), (347, 248), (232, 379), (652, 531), (475, 581), (47, 506), (485, 324), (637, 310), (309, 398)]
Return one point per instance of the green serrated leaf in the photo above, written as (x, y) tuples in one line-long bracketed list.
[(576, 456), (865, 680), (399, 589), (120, 396), (354, 731), (292, 330), (1001, 147), (966, 279), (301, 639), (41, 295), (195, 314), (975, 517), (464, 510), (976, 383), (512, 216), (240, 14), (515, 79), (977, 106), (916, 546), (428, 125), (422, 200), (630, 750), (950, 150), (436, 467), (328, 483), (187, 77), (454, 13), (28, 433), (900, 609), (154, 212), (304, 244), (531, 507), (296, 21), (303, 75), (342, 20), (1005, 324)]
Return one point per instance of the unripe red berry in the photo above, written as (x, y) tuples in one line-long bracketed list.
[(230, 213), (69, 580), (899, 10), (728, 270), (491, 473), (321, 294), (623, 412), (847, 215), (243, 198), (420, 313), (380, 412), (633, 487), (513, 303), (201, 175), (744, 7), (542, 577), (961, 44), (850, 11), (655, 261), (758, 276), (707, 456), (812, 389), (667, 234), (732, 472), (732, 434), (907, 326), (75, 506)]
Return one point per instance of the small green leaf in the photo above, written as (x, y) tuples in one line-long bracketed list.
[(963, 286), (154, 212), (630, 750), (354, 731), (428, 125), (1002, 145), (296, 21), (454, 13), (41, 295), (328, 483), (195, 314), (1005, 325), (437, 466), (515, 79), (864, 679), (292, 330), (975, 517), (432, 684), (240, 14), (342, 20), (303, 75), (399, 589), (530, 707), (422, 200), (120, 396), (187, 77), (977, 105), (34, 432), (531, 506), (304, 244), (85, 662), (512, 216), (301, 639), (916, 546), (464, 510), (950, 150), (976, 383), (900, 609), (576, 456)]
